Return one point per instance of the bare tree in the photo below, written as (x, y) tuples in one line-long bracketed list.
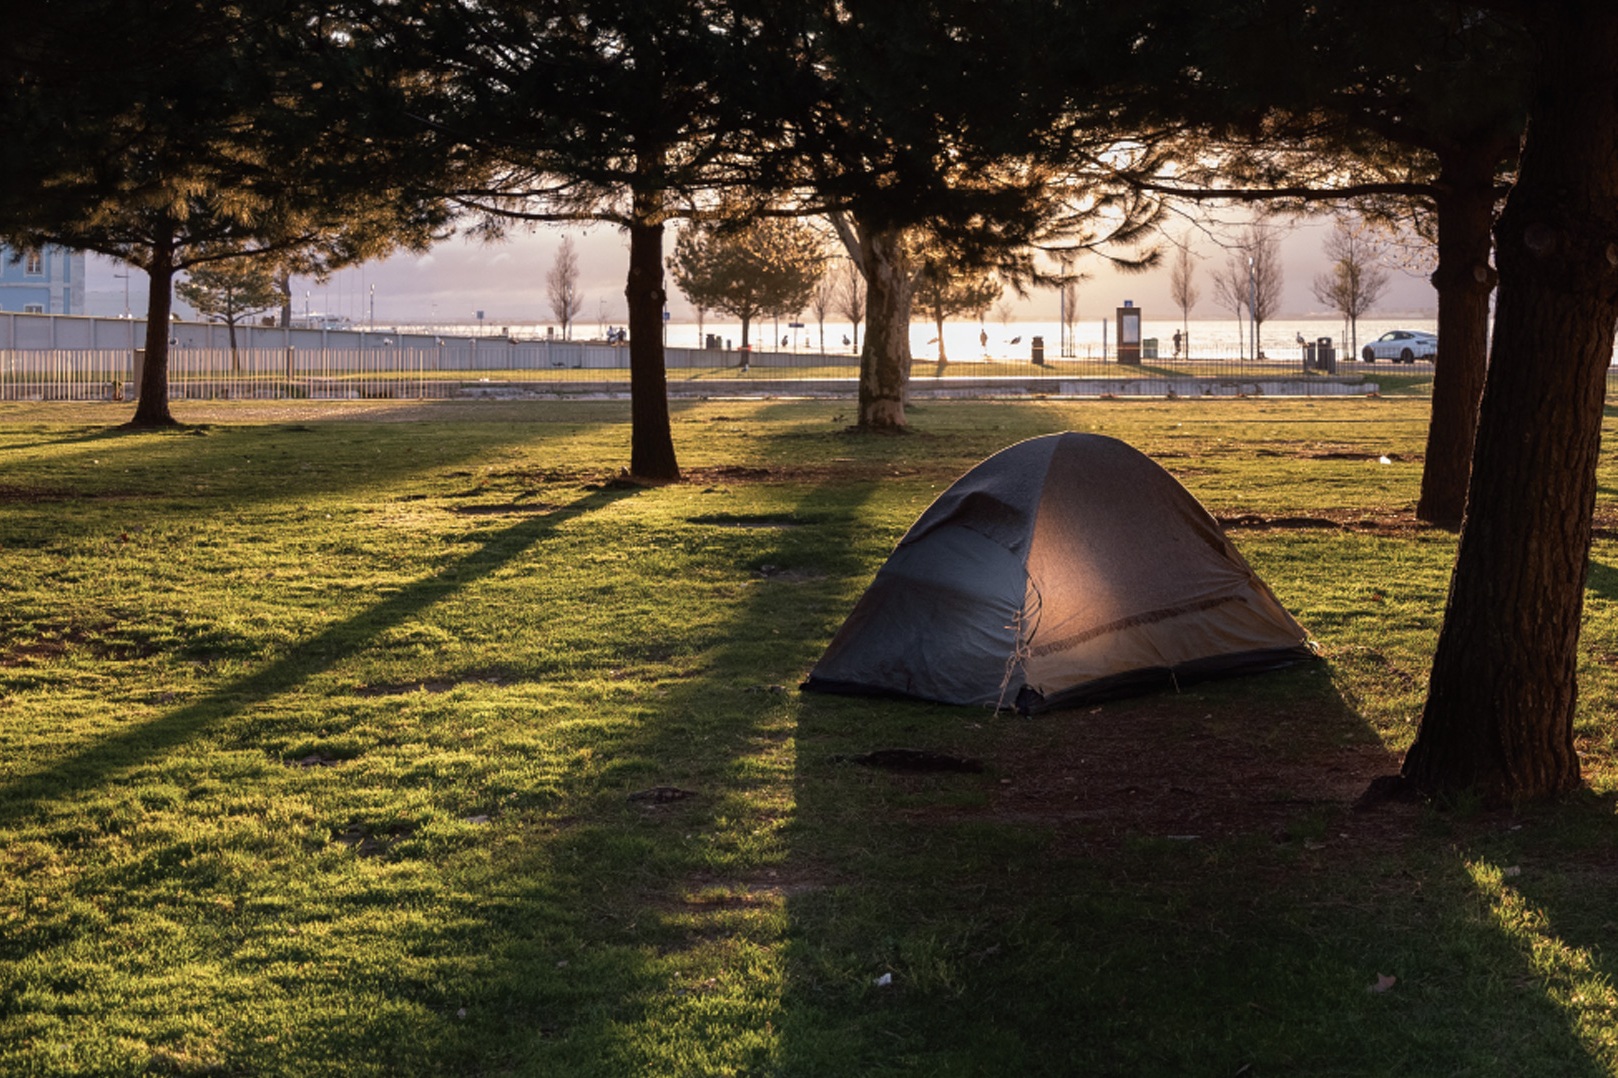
[(850, 295), (823, 301), (1253, 279), (1355, 281), (1230, 292), (1183, 289), (562, 286)]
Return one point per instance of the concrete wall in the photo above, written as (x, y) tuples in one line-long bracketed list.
[(318, 349)]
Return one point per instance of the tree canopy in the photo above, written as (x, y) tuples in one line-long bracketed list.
[(634, 114), (989, 170), (244, 130), (1410, 111)]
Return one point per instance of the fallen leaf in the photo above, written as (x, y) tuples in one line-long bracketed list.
[(1383, 983)]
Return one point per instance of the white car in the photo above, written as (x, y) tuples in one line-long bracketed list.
[(1401, 346)]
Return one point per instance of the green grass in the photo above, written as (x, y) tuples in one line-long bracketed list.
[(321, 725)]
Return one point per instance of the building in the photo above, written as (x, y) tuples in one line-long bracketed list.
[(47, 281)]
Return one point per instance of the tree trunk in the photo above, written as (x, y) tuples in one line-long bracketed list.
[(651, 442), (153, 408), (235, 361), (1464, 279), (943, 359), (283, 284), (1499, 715), (885, 358), (746, 324)]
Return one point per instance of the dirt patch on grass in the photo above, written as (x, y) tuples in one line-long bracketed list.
[(1606, 522), (729, 520), (54, 641), (38, 651), (431, 686), (372, 839), (1354, 454), (811, 472), (12, 494), (1393, 522), (1182, 780), (500, 509), (1228, 767)]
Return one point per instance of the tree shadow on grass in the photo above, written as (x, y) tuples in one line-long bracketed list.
[(685, 894), (250, 463), (1545, 881), (637, 926), (98, 434), (1601, 580), (103, 761), (1170, 885)]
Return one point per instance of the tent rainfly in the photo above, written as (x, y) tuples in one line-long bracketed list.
[(1063, 569)]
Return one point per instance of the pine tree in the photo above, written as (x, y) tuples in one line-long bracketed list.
[(230, 289), (241, 136)]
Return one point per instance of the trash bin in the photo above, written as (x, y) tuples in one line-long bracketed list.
[(1148, 348), (1325, 356), (1308, 355), (1038, 346)]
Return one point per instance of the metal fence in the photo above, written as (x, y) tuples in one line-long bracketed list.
[(499, 368)]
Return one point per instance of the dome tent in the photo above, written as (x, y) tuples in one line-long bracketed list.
[(1065, 568)]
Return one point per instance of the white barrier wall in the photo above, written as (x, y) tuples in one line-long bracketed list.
[(25, 332), (301, 351)]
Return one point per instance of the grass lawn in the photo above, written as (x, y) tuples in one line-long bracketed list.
[(339, 739)]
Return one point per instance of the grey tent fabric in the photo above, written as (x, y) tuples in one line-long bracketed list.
[(1062, 569)]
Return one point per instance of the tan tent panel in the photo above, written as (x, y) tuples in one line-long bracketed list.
[(1066, 568)]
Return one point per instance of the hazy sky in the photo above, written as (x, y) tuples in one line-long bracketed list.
[(506, 281)]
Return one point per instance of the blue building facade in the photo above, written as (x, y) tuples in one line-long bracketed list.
[(46, 281)]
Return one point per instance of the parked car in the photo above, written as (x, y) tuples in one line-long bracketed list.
[(1401, 346)]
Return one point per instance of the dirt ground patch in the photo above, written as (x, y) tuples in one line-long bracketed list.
[(1137, 770), (831, 471), (1401, 523), (1182, 780)]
